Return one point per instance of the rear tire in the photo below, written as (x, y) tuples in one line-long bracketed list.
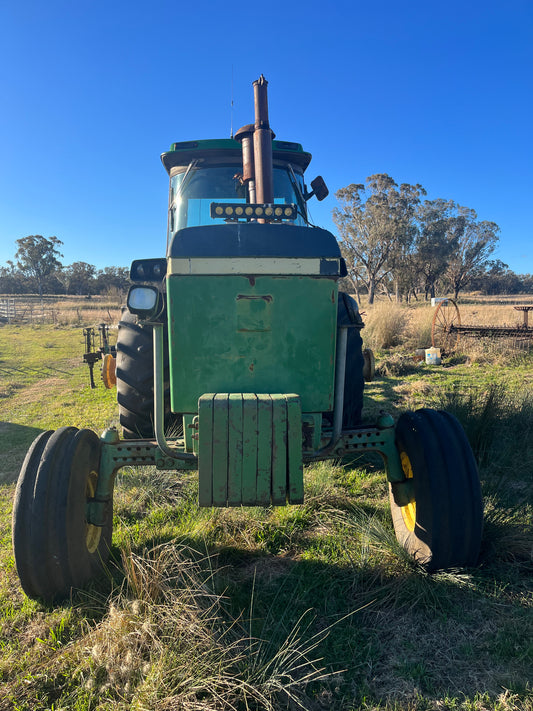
[(56, 549), (135, 378), (347, 314), (442, 526)]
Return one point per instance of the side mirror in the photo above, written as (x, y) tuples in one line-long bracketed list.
[(319, 188)]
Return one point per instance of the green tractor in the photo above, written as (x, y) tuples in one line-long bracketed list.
[(237, 356)]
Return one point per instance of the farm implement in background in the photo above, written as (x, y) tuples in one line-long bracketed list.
[(447, 328), (240, 339), (106, 352)]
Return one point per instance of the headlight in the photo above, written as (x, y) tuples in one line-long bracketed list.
[(148, 270), (145, 301), (267, 212)]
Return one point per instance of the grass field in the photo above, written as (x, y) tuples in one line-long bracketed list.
[(312, 607)]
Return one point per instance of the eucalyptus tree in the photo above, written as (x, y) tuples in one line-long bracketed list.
[(79, 278), (476, 241), (436, 241), (377, 225), (452, 246), (38, 258)]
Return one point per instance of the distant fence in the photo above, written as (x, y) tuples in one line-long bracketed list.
[(8, 310), (59, 311), (22, 311)]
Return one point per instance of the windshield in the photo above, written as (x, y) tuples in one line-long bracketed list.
[(193, 191)]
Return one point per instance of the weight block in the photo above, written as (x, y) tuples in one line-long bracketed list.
[(249, 449)]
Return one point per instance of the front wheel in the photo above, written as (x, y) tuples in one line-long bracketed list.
[(55, 547), (441, 526)]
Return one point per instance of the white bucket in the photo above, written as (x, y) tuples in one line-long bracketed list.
[(433, 356), (435, 301)]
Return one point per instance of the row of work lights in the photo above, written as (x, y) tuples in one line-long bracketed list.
[(233, 211)]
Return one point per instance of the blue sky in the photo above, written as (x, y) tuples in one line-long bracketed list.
[(92, 93)]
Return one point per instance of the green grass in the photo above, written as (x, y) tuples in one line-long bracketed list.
[(44, 385), (313, 607)]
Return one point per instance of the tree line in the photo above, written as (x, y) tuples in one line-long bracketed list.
[(37, 269), (391, 240), (395, 242)]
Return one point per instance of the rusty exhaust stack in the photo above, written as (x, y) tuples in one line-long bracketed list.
[(264, 178), (256, 140), (246, 136)]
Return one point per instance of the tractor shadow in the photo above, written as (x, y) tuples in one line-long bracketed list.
[(391, 629), (15, 441)]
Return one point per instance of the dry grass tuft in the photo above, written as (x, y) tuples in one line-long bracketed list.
[(385, 324), (495, 420), (397, 365), (495, 351), (168, 642)]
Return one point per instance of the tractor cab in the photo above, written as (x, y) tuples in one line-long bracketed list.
[(211, 171)]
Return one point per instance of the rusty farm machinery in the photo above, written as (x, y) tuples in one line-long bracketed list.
[(447, 328), (106, 352)]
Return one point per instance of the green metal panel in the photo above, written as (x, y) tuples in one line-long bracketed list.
[(205, 450), (262, 334), (220, 450), (279, 450), (249, 449), (235, 447), (294, 450), (264, 449)]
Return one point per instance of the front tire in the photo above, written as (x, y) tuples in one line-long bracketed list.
[(441, 527), (56, 549), (22, 514)]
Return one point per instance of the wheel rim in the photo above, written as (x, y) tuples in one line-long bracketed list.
[(445, 321), (109, 376), (92, 533), (409, 510)]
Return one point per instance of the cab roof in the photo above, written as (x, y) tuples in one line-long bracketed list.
[(181, 154)]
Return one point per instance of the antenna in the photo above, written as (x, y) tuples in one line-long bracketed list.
[(231, 109)]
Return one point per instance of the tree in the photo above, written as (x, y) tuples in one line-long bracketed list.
[(377, 226), (38, 258), (79, 279), (113, 279), (436, 241), (476, 241), (497, 278), (12, 281)]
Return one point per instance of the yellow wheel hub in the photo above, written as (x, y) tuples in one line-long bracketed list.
[(92, 533), (109, 376), (408, 511)]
